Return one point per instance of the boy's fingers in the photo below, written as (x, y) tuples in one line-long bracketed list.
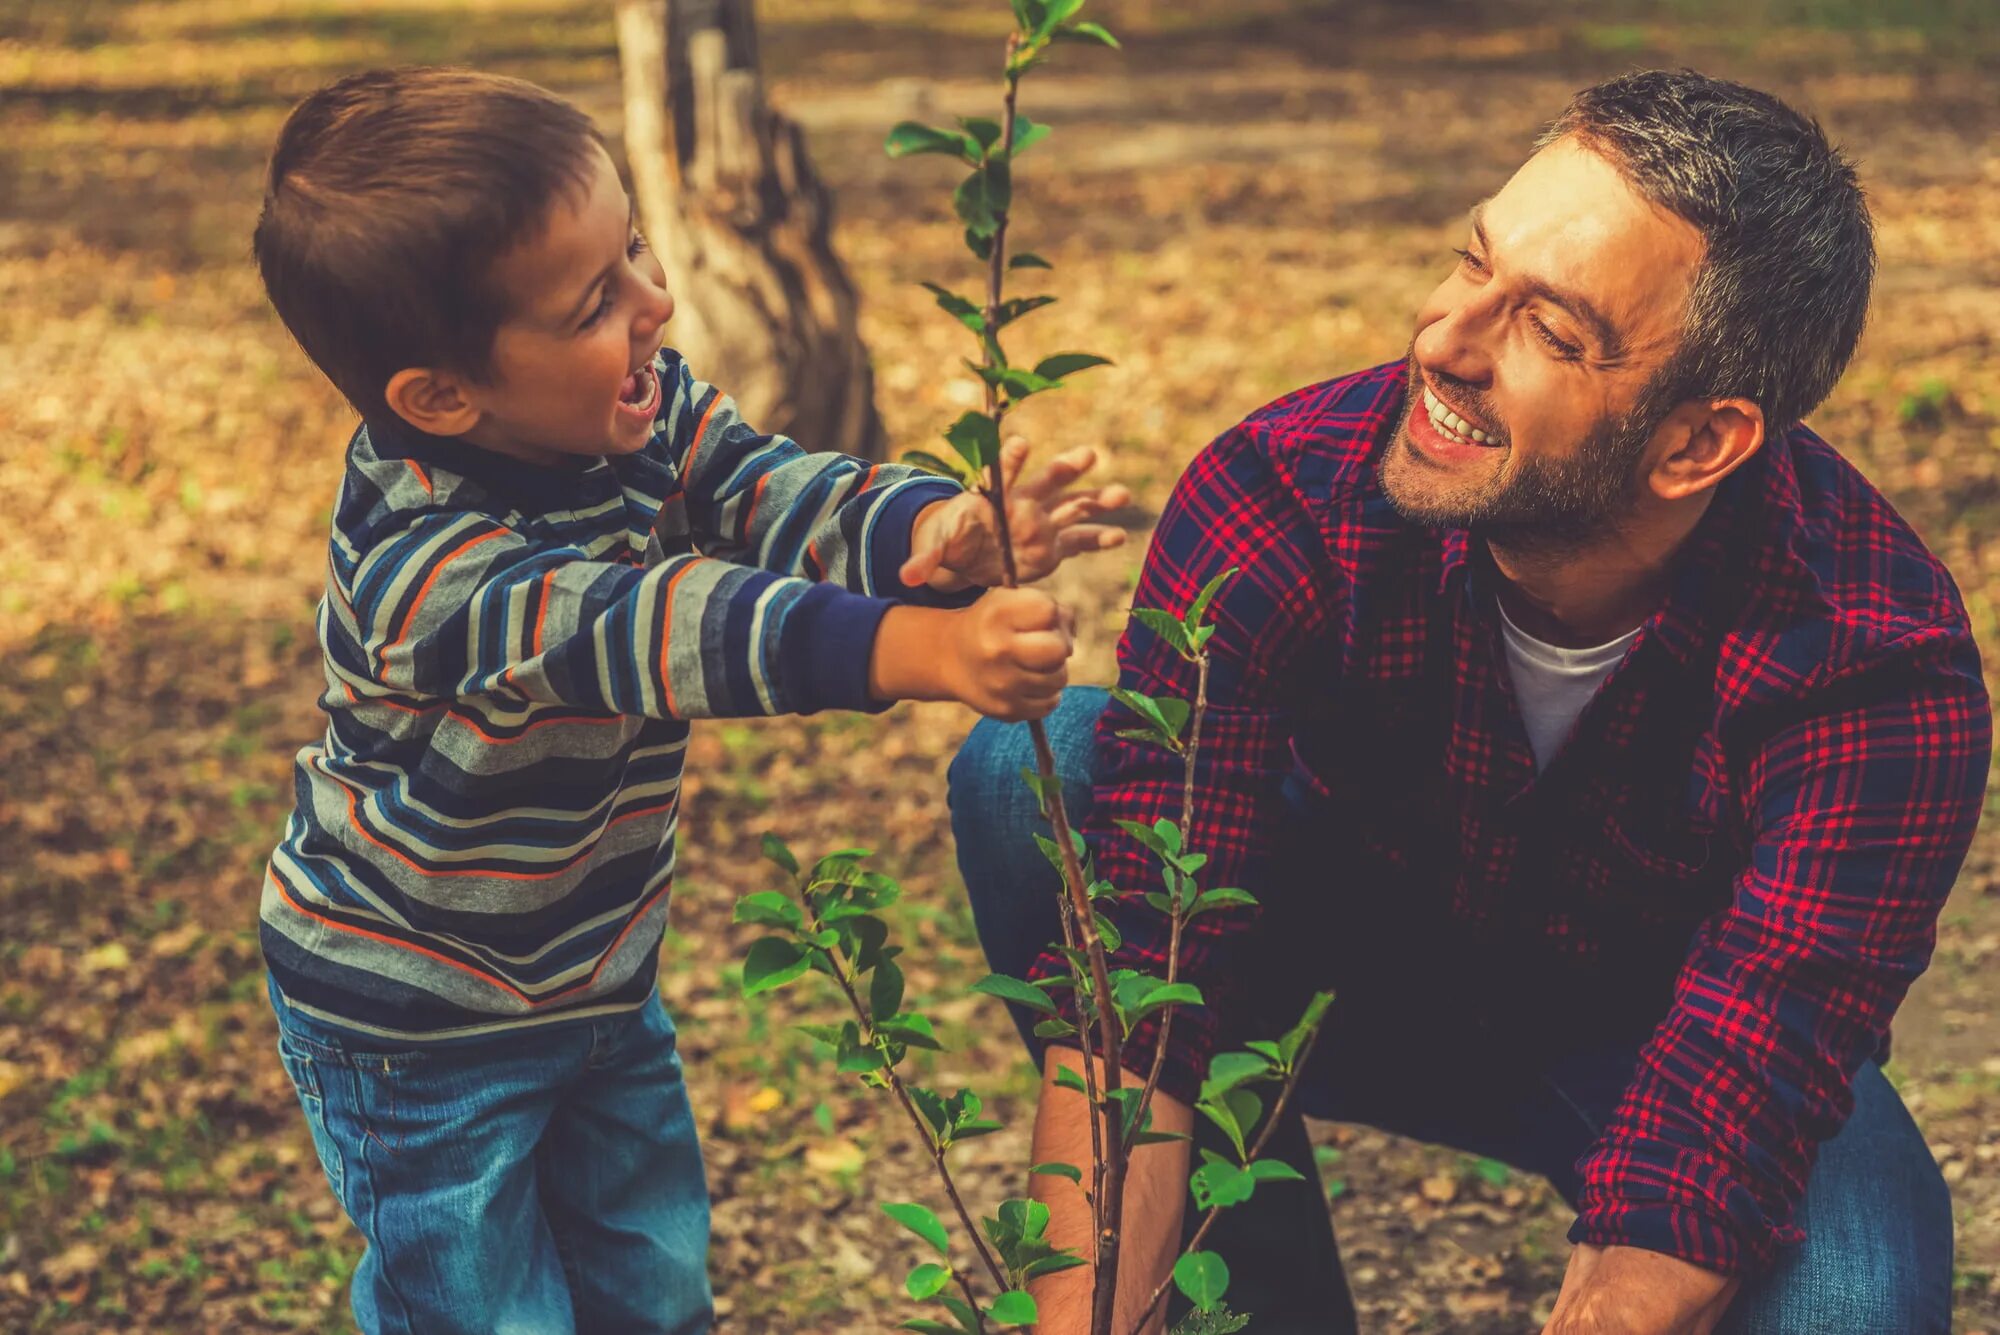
[(1025, 610), (1082, 505), (1064, 469), (921, 566), (1084, 538), (1040, 651)]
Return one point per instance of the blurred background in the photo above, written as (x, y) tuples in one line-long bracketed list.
[(1253, 195)]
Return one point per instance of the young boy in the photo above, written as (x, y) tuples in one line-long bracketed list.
[(552, 547)]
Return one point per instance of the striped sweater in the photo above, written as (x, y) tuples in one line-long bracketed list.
[(484, 838)]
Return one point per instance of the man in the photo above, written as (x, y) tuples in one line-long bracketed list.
[(1602, 738)]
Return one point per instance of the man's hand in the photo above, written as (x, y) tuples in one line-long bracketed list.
[(1630, 1291), (956, 543), (1007, 655)]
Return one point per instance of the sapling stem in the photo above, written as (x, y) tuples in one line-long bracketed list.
[(843, 975), (1108, 1174), (1181, 906)]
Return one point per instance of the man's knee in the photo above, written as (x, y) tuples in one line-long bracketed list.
[(1878, 1249), (985, 775)]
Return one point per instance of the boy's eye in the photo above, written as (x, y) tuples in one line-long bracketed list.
[(603, 308), (1471, 261), (638, 244)]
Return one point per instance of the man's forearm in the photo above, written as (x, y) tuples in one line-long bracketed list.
[(1155, 1194)]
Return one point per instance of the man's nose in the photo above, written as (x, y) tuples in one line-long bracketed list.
[(1458, 343)]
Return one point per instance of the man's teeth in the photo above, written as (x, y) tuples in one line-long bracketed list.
[(1449, 422)]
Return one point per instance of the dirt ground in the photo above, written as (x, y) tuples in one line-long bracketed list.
[(1253, 196)]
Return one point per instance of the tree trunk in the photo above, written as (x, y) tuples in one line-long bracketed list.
[(741, 222)]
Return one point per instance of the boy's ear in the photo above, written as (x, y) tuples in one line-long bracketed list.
[(431, 400)]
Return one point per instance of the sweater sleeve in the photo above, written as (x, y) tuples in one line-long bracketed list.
[(455, 602), (762, 500)]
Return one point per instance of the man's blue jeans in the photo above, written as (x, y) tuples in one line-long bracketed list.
[(535, 1183), (1878, 1251)]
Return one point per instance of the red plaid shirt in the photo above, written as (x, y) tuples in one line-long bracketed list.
[(1746, 840)]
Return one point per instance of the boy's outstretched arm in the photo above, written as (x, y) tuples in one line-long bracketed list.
[(452, 605)]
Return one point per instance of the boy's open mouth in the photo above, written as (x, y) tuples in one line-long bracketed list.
[(640, 394)]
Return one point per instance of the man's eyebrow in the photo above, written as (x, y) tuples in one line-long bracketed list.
[(1609, 339), (631, 222)]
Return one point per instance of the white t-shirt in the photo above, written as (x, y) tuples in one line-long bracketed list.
[(1553, 684)]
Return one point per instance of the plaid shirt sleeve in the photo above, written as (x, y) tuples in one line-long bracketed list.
[(1231, 510), (1862, 806)]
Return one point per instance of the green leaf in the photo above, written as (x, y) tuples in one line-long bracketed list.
[(1168, 994), (1068, 1170), (1024, 1218), (1063, 364), (885, 990), (1164, 717), (1056, 1028), (1021, 384), (967, 312), (1028, 13), (1265, 1048), (926, 1326), (912, 1030), (909, 138), (768, 908), (1219, 1184), (977, 439), (926, 1280), (967, 1318), (1227, 896), (983, 1126), (1027, 134), (1274, 1170), (1308, 1025), (974, 206), (776, 851), (1086, 32), (1227, 1070), (919, 1221), (1148, 1136), (1015, 990), (1221, 1321), (932, 1107), (1055, 12), (980, 130), (1198, 609), (1168, 628), (1108, 933), (1028, 259), (1203, 1277), (931, 463), (1050, 1265), (1011, 311), (1013, 1308), (979, 244), (773, 962), (1068, 1077)]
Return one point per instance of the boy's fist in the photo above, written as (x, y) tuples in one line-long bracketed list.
[(1007, 655), (1011, 656)]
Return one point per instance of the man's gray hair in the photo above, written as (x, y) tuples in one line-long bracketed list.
[(1782, 291)]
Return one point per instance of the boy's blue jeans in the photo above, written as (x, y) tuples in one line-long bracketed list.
[(1877, 1215), (535, 1183)]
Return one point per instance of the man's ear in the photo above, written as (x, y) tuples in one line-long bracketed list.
[(1712, 439), (431, 400)]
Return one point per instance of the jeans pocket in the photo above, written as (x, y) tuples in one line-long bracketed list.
[(304, 1072)]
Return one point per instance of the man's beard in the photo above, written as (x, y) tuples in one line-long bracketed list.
[(1543, 506)]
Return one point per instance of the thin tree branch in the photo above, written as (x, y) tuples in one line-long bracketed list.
[(1256, 1148)]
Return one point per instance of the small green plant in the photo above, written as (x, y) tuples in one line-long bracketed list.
[(827, 920)]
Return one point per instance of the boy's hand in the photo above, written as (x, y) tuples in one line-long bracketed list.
[(956, 543), (1007, 655)]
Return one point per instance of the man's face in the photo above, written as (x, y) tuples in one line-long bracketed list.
[(1530, 364), (571, 369)]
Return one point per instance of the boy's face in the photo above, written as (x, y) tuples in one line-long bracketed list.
[(571, 373)]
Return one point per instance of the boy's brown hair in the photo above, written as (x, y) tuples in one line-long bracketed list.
[(390, 195)]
